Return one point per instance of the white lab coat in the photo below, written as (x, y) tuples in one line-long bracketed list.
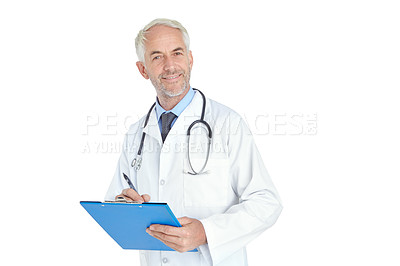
[(235, 199)]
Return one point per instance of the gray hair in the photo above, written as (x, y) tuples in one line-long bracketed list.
[(141, 37)]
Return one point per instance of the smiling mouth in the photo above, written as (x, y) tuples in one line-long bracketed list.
[(172, 78)]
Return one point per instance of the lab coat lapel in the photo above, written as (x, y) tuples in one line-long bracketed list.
[(152, 129)]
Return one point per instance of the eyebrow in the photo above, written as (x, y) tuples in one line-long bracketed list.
[(175, 50), (178, 49), (155, 52)]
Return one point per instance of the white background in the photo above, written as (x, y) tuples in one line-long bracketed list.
[(64, 63)]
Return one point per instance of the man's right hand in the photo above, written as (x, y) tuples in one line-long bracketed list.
[(131, 195)]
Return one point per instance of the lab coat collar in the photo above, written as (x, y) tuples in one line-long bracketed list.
[(191, 113)]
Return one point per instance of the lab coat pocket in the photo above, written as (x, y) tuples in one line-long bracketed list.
[(210, 188)]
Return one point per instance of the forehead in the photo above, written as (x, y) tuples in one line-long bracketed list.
[(163, 38)]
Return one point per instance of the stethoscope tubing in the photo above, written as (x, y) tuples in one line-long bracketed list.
[(137, 161)]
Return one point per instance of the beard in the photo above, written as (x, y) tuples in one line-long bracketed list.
[(159, 86)]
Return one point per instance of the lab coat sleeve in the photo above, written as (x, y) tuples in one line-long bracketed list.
[(259, 204), (117, 183)]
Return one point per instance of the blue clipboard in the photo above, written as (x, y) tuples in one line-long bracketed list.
[(126, 223)]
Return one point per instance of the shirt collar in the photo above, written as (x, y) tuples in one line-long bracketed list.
[(179, 108)]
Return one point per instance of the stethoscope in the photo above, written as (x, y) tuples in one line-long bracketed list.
[(137, 161)]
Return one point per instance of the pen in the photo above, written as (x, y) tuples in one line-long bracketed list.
[(130, 183)]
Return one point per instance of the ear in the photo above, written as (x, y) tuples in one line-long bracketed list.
[(142, 69), (190, 59)]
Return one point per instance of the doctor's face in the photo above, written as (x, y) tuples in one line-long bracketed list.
[(167, 62)]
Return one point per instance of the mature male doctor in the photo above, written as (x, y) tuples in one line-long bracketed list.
[(221, 188)]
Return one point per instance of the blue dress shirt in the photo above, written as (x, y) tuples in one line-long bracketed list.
[(177, 110)]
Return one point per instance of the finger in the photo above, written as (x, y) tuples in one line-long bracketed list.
[(131, 193), (125, 197), (172, 245), (166, 229), (164, 237), (146, 197)]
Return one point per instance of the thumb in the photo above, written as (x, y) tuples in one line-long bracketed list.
[(184, 220), (132, 194), (146, 197)]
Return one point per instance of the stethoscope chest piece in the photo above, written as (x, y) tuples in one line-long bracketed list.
[(137, 163)]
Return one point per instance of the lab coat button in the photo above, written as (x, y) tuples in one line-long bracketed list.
[(164, 260), (162, 182)]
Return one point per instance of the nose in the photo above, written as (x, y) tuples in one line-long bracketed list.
[(169, 64)]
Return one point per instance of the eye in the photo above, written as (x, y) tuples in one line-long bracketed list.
[(156, 57), (178, 53)]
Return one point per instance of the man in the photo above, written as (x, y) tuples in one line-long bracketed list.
[(224, 205)]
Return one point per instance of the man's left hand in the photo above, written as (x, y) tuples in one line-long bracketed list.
[(182, 239)]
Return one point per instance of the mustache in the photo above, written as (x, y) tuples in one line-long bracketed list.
[(171, 73)]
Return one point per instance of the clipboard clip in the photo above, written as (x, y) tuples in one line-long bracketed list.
[(121, 199)]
